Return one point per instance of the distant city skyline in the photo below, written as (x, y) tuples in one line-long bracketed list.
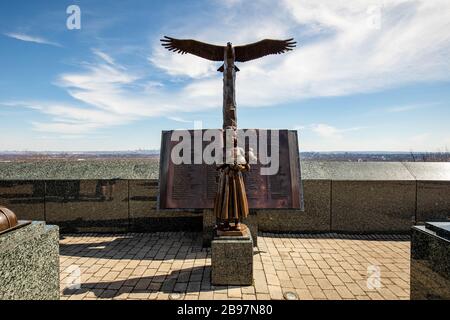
[(366, 75)]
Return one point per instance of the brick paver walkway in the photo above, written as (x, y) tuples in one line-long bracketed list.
[(155, 266)]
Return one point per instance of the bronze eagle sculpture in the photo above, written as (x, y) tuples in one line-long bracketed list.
[(229, 55), (230, 203), (216, 53)]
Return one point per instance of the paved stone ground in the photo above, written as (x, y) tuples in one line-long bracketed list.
[(154, 266)]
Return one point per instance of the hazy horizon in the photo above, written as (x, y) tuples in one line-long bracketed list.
[(158, 150)]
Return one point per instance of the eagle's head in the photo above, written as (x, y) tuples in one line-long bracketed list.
[(229, 52)]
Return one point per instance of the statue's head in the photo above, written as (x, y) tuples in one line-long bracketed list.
[(229, 44)]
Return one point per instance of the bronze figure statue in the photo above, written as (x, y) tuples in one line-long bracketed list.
[(8, 219), (230, 205)]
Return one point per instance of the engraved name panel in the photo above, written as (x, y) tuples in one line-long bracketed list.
[(193, 186)]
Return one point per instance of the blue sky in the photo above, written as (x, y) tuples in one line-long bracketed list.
[(366, 76)]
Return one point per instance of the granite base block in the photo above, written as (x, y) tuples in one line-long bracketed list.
[(430, 262), (232, 261), (316, 216), (373, 206), (433, 201), (29, 263), (24, 198), (86, 200)]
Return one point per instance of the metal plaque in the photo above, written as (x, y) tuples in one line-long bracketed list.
[(193, 186)]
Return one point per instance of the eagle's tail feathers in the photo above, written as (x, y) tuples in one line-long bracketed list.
[(222, 68)]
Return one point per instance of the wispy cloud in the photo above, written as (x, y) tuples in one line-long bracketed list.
[(70, 120), (28, 38), (411, 107), (179, 119), (177, 65), (326, 137), (328, 131), (107, 94), (105, 57)]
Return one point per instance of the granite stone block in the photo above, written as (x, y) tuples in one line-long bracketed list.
[(373, 206), (433, 201), (80, 170), (146, 217), (433, 190), (430, 263), (24, 198), (315, 217), (429, 171), (88, 205), (29, 263), (366, 171), (232, 261), (143, 197)]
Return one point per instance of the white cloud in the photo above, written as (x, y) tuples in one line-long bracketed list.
[(330, 132), (406, 108), (105, 57), (28, 38), (420, 139), (346, 56), (373, 141), (70, 120), (110, 95), (178, 65), (326, 131), (178, 119)]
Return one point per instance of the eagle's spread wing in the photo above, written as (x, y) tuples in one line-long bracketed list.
[(201, 49), (263, 48)]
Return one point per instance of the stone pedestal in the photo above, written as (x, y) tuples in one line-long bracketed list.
[(430, 261), (29, 263), (232, 260)]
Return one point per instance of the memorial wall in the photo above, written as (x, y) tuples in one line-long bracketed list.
[(110, 196)]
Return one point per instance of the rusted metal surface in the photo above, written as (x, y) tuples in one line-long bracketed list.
[(193, 186), (19, 225)]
